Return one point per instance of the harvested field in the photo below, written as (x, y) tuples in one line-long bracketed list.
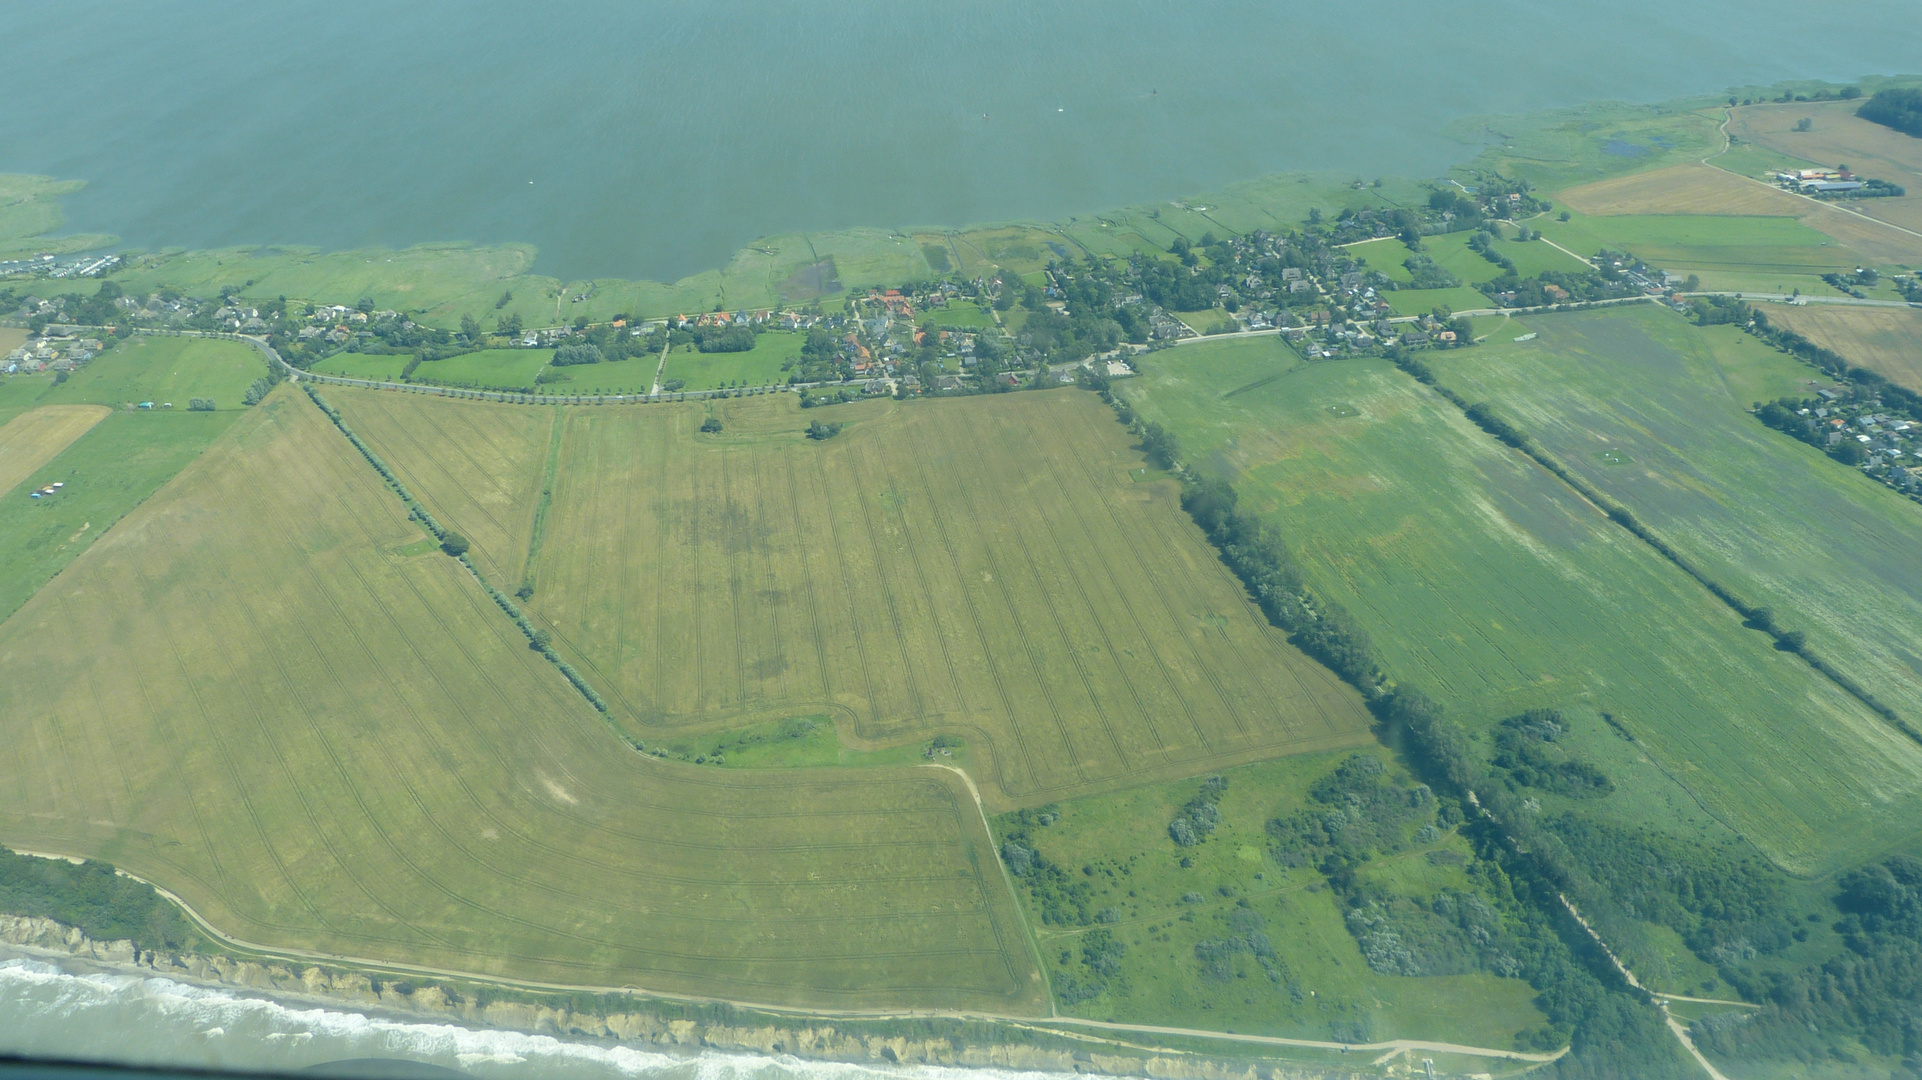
[(980, 567), (251, 693), (1682, 189), (32, 439), (1887, 341)]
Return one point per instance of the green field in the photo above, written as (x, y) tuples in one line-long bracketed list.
[(975, 567), (500, 369), (162, 370), (959, 315), (1422, 301), (255, 694), (377, 367), (759, 366), (1728, 252), (1164, 910), (1831, 552), (1490, 584)]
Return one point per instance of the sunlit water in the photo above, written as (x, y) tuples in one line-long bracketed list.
[(45, 1011), (653, 138)]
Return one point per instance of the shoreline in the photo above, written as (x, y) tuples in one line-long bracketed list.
[(817, 1039)]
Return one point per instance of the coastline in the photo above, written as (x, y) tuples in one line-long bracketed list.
[(823, 1040)]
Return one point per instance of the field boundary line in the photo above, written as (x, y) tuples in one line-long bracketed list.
[(551, 468)]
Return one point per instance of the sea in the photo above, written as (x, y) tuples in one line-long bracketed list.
[(47, 1011), (654, 138)]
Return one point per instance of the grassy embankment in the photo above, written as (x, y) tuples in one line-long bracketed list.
[(326, 738), (976, 567), (1653, 412), (1488, 582)]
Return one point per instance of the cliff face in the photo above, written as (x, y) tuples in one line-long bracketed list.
[(807, 1039)]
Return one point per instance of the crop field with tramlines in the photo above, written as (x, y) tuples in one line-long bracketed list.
[(1654, 412), (983, 568), (264, 691), (1496, 588)]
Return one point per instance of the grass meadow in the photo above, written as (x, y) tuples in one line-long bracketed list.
[(959, 315), (161, 370), (1494, 587), (375, 366), (324, 740), (977, 567), (498, 369), (759, 366), (1831, 552)]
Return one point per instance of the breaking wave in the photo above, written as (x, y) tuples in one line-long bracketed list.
[(50, 1012)]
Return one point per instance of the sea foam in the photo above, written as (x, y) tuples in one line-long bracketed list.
[(48, 1011)]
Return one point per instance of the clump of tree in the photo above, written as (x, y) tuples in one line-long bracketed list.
[(200, 404), (711, 425), (1427, 274), (1061, 898), (1868, 993), (1201, 815), (453, 544), (575, 353), (822, 430), (1898, 108), (1529, 748), (723, 339)]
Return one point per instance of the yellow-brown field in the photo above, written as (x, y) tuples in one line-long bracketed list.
[(263, 692), (34, 438), (1682, 189), (1887, 341), (978, 567)]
